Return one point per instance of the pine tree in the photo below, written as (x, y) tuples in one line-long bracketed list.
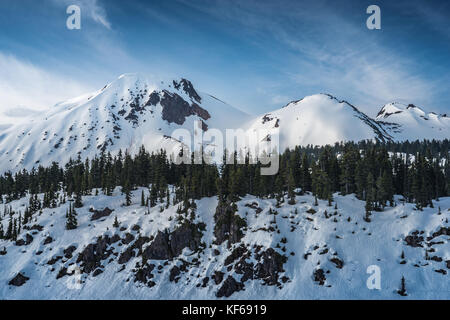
[(116, 223), (402, 290), (71, 219), (126, 189), (14, 230), (9, 231), (167, 198), (142, 199), (291, 184), (78, 200), (330, 199), (153, 196), (305, 174)]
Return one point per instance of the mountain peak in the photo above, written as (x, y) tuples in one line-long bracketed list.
[(188, 88), (410, 122), (396, 108)]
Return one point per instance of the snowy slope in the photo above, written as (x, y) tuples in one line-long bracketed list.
[(18, 115), (130, 112), (409, 122), (137, 110), (309, 239), (318, 120)]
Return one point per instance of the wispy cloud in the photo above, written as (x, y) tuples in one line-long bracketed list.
[(327, 50), (26, 89), (90, 8)]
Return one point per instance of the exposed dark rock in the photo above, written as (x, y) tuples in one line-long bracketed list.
[(136, 228), (444, 272), (338, 262), (144, 274), (28, 239), (37, 227), (128, 238), (448, 264), (205, 282), (436, 258), (159, 249), (187, 236), (202, 113), (432, 243), (414, 240), (3, 252), (91, 256), (228, 225), (130, 251), (188, 88), (69, 251), (229, 287), (97, 214), (269, 267), (126, 255), (245, 268), (61, 273), (20, 242), (169, 245), (18, 280), (135, 109), (218, 277), (266, 118), (48, 240), (53, 260), (319, 276), (97, 272), (235, 254), (175, 109), (442, 231), (153, 99), (174, 273), (204, 125), (115, 238)]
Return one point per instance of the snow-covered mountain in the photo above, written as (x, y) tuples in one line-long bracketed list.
[(137, 110), (319, 120), (299, 251), (409, 122), (132, 111)]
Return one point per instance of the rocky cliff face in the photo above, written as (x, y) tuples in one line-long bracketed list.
[(250, 248), (228, 225)]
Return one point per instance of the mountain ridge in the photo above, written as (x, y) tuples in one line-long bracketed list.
[(136, 110)]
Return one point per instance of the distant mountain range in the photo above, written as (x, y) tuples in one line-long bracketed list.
[(136, 110)]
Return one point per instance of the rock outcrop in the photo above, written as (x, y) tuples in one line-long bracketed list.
[(169, 245), (228, 225), (18, 280)]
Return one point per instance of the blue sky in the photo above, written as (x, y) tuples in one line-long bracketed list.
[(256, 55)]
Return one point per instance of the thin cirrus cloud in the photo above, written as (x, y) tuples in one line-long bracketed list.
[(320, 48), (26, 90), (90, 8)]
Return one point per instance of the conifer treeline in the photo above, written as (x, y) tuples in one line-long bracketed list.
[(364, 168)]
